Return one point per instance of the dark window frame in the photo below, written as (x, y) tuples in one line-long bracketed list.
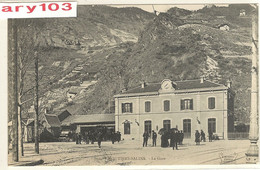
[(167, 124), (212, 125), (127, 107), (165, 102), (186, 104), (147, 107), (148, 126), (211, 103), (127, 128)]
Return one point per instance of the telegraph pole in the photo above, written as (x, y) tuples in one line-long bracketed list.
[(252, 153), (14, 92), (36, 104)]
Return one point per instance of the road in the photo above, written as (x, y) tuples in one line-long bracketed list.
[(132, 153)]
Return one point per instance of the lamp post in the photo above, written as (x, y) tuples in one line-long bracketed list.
[(252, 153)]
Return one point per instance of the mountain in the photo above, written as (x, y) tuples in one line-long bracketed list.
[(117, 48), (170, 48)]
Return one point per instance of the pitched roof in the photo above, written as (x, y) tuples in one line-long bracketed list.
[(89, 119), (63, 115), (181, 85), (53, 120)]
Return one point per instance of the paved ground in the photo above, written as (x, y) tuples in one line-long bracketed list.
[(130, 153)]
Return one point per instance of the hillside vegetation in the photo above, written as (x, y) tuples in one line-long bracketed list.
[(120, 48)]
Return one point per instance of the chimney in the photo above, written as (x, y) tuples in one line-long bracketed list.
[(143, 85), (202, 78), (229, 83), (124, 90)]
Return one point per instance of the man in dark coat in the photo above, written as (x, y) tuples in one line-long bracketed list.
[(197, 137), (79, 137), (210, 136), (203, 138), (99, 138), (113, 137), (145, 136), (181, 136), (178, 137), (174, 140), (154, 137)]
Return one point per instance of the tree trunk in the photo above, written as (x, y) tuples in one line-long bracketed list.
[(20, 124), (14, 103), (36, 105), (20, 130)]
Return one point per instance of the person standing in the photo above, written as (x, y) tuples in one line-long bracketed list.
[(197, 137), (79, 138), (210, 136), (203, 138), (145, 136), (174, 140), (181, 136), (178, 137), (154, 137), (99, 138), (87, 137), (113, 137)]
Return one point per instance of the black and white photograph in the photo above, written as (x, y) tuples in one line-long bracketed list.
[(127, 85)]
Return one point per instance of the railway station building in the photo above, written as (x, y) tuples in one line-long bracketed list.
[(188, 105)]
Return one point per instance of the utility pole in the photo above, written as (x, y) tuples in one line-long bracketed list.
[(14, 92), (36, 104), (252, 153)]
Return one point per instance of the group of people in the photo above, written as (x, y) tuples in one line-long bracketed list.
[(176, 137), (91, 137), (87, 137), (199, 137), (115, 137)]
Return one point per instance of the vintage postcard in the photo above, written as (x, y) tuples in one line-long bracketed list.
[(136, 84)]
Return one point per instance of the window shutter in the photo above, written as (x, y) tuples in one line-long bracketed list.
[(211, 103), (191, 104), (123, 107), (182, 104), (166, 104), (131, 107), (147, 106)]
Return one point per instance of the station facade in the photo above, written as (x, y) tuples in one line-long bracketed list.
[(186, 105)]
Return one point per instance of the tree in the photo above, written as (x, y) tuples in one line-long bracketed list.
[(25, 46), (14, 96)]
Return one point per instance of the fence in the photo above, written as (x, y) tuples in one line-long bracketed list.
[(238, 135)]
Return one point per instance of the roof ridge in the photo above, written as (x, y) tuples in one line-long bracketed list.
[(186, 80), (215, 83), (51, 114)]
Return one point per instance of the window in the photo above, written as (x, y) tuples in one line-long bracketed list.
[(127, 107), (166, 105), (148, 126), (211, 103), (187, 104), (187, 128), (127, 128), (147, 106), (212, 125), (167, 124)]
